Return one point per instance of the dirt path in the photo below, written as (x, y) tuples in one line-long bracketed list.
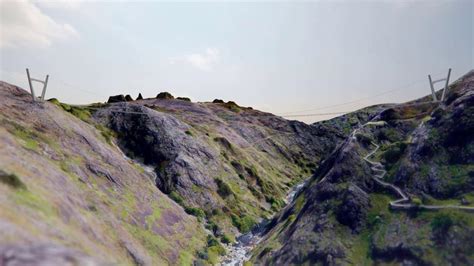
[(404, 202)]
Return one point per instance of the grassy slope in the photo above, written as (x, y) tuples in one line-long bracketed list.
[(80, 192), (425, 236)]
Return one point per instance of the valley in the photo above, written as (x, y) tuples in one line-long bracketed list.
[(168, 181)]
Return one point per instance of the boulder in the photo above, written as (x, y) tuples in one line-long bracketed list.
[(128, 98), (140, 97), (218, 101), (184, 99), (116, 99), (164, 95)]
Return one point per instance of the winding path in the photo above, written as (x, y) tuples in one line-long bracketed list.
[(404, 202)]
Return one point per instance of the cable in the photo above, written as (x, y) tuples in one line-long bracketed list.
[(320, 114), (360, 99)]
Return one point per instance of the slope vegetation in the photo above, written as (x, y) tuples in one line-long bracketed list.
[(398, 190)]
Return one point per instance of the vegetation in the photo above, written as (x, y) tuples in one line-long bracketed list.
[(82, 113), (11, 180), (222, 188), (244, 224), (393, 153)]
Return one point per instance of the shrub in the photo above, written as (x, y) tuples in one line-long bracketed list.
[(212, 241), (211, 226), (222, 188), (389, 134), (199, 213), (226, 239), (188, 132), (441, 223), (176, 197), (394, 152), (416, 201), (244, 224), (364, 139), (218, 101), (11, 180)]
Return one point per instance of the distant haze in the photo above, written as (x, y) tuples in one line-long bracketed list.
[(277, 57)]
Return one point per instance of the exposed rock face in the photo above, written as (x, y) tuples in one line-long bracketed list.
[(128, 98), (199, 150), (344, 217), (43, 255), (68, 195)]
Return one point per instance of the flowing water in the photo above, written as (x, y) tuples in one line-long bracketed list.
[(241, 251)]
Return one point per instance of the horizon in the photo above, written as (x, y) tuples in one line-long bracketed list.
[(296, 58)]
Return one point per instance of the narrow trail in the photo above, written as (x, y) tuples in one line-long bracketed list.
[(404, 202)]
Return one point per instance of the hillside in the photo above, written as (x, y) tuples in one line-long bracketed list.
[(167, 181), (398, 190), (152, 181)]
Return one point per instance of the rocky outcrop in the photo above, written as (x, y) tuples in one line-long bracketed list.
[(70, 196), (164, 95), (344, 217), (116, 99)]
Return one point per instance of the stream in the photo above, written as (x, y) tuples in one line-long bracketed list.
[(241, 251)]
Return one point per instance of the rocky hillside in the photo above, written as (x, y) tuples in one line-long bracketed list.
[(69, 195), (152, 181), (399, 189)]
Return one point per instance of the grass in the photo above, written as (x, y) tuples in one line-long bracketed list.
[(80, 112), (35, 202)]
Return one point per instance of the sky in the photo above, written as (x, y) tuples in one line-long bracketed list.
[(288, 58)]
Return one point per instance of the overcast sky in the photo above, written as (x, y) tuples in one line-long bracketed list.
[(277, 57)]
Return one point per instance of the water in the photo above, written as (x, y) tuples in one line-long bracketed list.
[(241, 251)]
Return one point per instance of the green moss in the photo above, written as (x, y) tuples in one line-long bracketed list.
[(153, 218), (107, 133), (176, 197), (80, 112), (299, 203), (151, 241), (34, 201), (11, 180), (27, 136)]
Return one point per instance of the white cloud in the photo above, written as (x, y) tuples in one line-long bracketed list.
[(205, 61), (24, 24)]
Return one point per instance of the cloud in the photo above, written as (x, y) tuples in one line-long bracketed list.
[(203, 61), (22, 24)]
